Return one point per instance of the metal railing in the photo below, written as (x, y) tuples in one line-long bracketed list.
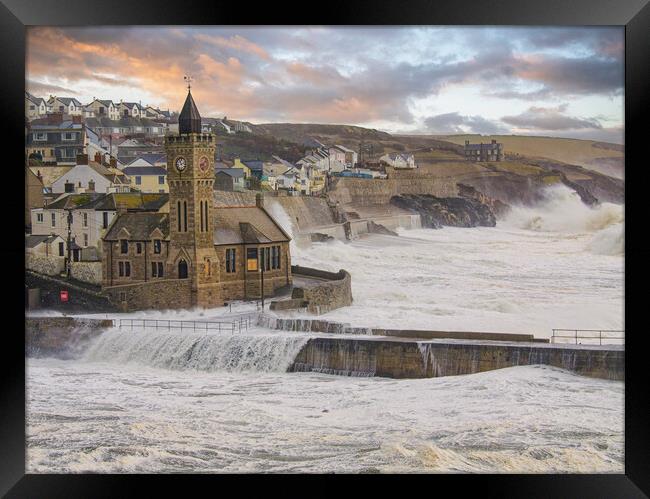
[(577, 336), (235, 325)]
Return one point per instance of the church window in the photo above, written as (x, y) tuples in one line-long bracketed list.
[(251, 259), (178, 214), (157, 246), (230, 260), (184, 216), (267, 258), (275, 257), (124, 246), (208, 268), (124, 269), (201, 210), (182, 269)]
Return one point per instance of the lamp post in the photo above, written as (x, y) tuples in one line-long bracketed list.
[(262, 269)]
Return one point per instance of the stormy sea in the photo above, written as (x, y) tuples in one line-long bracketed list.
[(141, 402)]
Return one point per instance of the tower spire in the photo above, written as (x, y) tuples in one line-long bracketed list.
[(189, 120)]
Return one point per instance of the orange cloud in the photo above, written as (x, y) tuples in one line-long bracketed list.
[(235, 42)]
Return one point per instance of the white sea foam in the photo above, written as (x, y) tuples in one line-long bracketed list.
[(128, 418)]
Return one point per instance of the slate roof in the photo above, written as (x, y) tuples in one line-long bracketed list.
[(233, 172), (73, 200), (132, 201), (139, 226), (31, 241), (36, 100), (478, 147), (150, 158), (144, 170), (67, 100), (189, 121), (254, 164), (245, 224), (129, 104)]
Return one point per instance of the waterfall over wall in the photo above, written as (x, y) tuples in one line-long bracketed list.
[(206, 352)]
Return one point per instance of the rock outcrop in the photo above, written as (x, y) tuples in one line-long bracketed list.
[(470, 209)]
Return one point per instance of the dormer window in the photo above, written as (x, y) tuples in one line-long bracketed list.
[(40, 136), (124, 246)]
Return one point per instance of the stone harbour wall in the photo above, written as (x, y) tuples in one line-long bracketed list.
[(61, 336), (335, 291), (410, 359)]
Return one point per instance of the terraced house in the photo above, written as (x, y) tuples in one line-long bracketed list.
[(196, 254)]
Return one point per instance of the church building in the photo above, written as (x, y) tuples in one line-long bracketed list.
[(197, 254)]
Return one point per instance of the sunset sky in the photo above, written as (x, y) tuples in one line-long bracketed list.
[(565, 82)]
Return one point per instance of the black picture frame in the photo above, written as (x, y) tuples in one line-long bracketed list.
[(16, 15)]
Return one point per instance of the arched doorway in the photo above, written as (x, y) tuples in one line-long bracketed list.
[(182, 269)]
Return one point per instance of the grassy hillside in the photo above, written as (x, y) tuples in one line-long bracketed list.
[(599, 156)]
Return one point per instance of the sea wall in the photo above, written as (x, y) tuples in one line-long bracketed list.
[(60, 336), (394, 358), (332, 291)]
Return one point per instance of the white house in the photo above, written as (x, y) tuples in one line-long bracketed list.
[(65, 105), (399, 160), (88, 176), (35, 107)]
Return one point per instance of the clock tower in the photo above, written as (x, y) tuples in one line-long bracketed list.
[(190, 175)]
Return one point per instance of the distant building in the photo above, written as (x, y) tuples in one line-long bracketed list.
[(35, 107), (147, 178), (65, 105), (229, 179), (102, 109), (128, 109), (89, 176), (399, 160), (484, 152)]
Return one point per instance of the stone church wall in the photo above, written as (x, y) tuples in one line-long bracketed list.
[(159, 294)]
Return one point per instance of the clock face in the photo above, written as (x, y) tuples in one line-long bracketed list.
[(204, 164), (181, 164)]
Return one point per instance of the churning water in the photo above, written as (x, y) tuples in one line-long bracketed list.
[(153, 402), (555, 265)]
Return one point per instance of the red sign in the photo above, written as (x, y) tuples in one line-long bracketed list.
[(64, 296)]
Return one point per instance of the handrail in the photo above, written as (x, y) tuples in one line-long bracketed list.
[(236, 324), (576, 336)]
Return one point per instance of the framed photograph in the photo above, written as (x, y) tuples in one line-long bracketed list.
[(390, 243)]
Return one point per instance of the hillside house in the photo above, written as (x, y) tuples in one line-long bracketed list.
[(147, 178), (65, 105), (399, 160), (229, 179), (484, 152), (89, 176), (35, 107), (103, 109), (128, 109)]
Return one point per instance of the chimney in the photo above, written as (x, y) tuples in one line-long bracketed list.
[(82, 159), (259, 200), (98, 157)]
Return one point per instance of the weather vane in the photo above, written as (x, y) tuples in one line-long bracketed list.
[(189, 81)]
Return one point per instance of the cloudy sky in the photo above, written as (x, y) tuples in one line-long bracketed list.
[(566, 82)]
